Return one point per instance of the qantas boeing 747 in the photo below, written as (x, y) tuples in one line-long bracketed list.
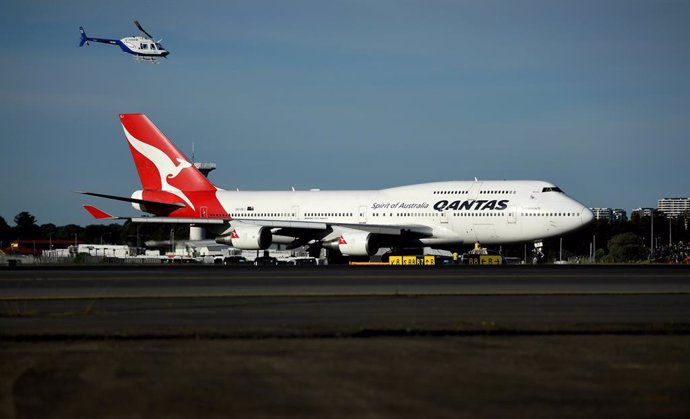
[(443, 215)]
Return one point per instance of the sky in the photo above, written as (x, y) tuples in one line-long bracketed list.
[(593, 96)]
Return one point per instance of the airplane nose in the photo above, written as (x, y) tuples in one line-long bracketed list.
[(586, 215)]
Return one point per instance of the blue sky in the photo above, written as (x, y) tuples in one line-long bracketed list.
[(593, 96)]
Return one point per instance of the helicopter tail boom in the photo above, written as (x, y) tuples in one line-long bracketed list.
[(85, 39)]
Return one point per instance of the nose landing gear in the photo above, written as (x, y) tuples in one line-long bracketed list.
[(537, 254)]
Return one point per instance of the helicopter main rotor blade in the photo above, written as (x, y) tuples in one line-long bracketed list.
[(136, 22)]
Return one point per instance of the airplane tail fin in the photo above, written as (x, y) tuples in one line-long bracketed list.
[(161, 166), (84, 39)]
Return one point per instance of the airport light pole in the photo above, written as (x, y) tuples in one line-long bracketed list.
[(172, 240), (524, 260), (590, 252), (651, 244)]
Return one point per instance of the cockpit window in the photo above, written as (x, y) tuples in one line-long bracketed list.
[(552, 189)]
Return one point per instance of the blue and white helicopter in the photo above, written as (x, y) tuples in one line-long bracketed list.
[(144, 48)]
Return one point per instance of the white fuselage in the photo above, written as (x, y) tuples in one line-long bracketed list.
[(458, 212), (139, 45)]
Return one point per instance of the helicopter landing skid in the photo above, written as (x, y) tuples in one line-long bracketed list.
[(141, 59)]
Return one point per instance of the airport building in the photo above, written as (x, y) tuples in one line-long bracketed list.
[(674, 207), (35, 247)]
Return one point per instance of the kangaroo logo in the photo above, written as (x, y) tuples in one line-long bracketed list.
[(167, 169)]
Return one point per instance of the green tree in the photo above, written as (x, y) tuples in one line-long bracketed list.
[(26, 227), (108, 234), (626, 247), (5, 233), (69, 231), (47, 230)]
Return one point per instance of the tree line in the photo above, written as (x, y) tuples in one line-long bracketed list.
[(620, 241), (26, 227), (617, 241)]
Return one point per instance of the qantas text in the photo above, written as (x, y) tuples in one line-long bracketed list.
[(479, 204)]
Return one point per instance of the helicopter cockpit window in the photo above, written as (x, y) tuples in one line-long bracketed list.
[(153, 46)]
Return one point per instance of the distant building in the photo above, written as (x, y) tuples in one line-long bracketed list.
[(674, 207), (602, 214), (643, 212), (618, 214), (610, 214)]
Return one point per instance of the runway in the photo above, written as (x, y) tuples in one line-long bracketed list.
[(454, 341), (337, 301)]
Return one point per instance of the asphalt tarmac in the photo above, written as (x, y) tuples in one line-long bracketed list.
[(180, 341)]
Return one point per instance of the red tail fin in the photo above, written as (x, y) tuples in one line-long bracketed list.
[(160, 164)]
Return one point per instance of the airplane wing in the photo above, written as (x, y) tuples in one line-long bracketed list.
[(295, 226)]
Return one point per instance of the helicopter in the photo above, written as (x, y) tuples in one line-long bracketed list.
[(144, 48)]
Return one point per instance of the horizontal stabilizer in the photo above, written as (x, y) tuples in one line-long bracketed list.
[(97, 213), (173, 205), (102, 215)]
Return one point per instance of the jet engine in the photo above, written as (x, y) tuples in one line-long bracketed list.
[(248, 238), (357, 244)]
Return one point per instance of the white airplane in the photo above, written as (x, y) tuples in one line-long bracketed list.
[(445, 215)]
